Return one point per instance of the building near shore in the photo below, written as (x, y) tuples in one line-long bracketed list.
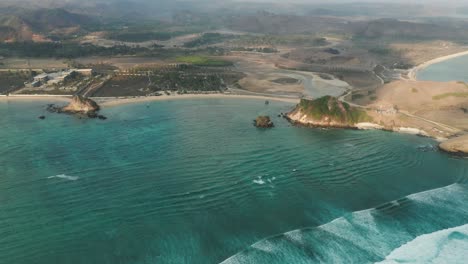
[(56, 78), (44, 77), (85, 72)]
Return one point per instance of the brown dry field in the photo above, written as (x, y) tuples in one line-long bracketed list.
[(419, 98), (22, 63)]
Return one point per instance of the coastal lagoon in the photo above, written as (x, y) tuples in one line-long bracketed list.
[(193, 181), (446, 71)]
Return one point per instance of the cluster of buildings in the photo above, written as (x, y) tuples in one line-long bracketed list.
[(56, 78)]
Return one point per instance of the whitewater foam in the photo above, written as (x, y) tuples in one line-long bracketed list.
[(65, 177), (259, 181), (369, 235), (444, 246)]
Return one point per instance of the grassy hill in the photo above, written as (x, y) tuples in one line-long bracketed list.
[(331, 110)]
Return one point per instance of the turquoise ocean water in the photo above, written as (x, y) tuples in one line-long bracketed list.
[(192, 181), (446, 71)]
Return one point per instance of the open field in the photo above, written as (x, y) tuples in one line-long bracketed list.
[(424, 105), (33, 63)]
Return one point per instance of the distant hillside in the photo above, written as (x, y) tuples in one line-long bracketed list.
[(17, 24), (265, 22), (396, 29), (50, 19), (13, 28)]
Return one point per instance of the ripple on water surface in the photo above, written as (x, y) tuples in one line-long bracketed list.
[(195, 182)]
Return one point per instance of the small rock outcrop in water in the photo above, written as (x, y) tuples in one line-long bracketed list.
[(457, 146), (263, 122), (80, 106), (327, 111)]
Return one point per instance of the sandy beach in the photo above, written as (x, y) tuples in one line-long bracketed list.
[(115, 101), (412, 74), (24, 98)]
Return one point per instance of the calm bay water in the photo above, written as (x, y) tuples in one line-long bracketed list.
[(192, 181), (450, 70)]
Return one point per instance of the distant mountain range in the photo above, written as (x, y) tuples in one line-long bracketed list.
[(19, 24)]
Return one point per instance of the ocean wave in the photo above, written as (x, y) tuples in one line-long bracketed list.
[(65, 177), (364, 236), (444, 246)]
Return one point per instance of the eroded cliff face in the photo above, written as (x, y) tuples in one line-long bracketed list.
[(81, 105), (300, 117), (327, 112)]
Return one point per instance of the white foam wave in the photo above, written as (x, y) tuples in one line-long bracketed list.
[(367, 235), (65, 177), (259, 181), (445, 246)]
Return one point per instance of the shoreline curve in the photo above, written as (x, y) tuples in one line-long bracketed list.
[(412, 73)]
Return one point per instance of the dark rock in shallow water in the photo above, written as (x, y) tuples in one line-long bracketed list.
[(92, 115), (263, 122), (42, 117), (102, 117), (51, 108)]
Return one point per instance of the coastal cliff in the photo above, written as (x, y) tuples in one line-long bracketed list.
[(327, 111), (457, 146)]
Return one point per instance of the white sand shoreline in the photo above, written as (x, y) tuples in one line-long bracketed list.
[(64, 98), (412, 74), (115, 101)]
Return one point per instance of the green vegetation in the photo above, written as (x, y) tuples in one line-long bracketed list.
[(274, 40), (207, 39), (141, 36), (334, 109), (261, 50), (182, 78), (63, 50), (74, 50), (203, 61), (11, 81), (445, 95)]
